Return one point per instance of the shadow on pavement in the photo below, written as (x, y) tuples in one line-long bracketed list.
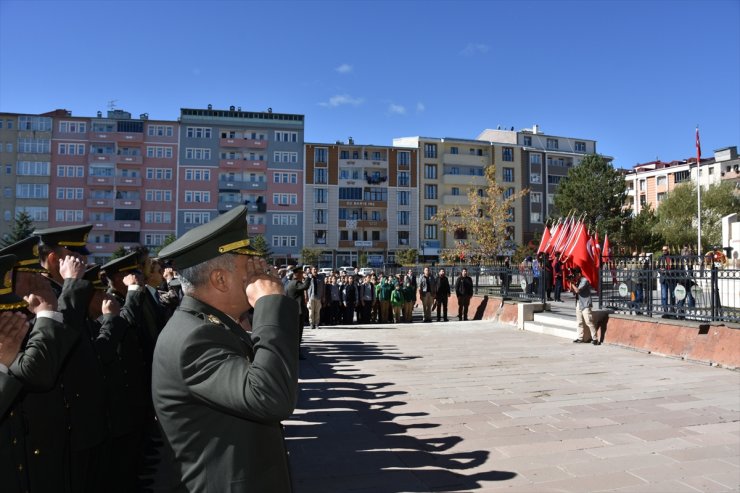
[(353, 434)]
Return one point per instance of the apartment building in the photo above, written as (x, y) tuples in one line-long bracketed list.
[(25, 157), (361, 200), (231, 157), (544, 160), (649, 183)]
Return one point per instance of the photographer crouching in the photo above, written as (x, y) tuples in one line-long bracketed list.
[(580, 286)]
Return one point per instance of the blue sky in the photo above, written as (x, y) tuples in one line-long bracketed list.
[(637, 76)]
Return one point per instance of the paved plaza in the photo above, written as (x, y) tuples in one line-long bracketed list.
[(477, 406)]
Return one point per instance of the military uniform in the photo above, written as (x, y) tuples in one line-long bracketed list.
[(219, 392)]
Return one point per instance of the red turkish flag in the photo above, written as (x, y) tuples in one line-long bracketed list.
[(579, 256), (545, 240)]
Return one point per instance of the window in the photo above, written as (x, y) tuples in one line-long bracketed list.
[(320, 154), (70, 171), (69, 193), (281, 177), (32, 191), (535, 159), (527, 140), (642, 185), (8, 216), (197, 174), (200, 153), (680, 176), (508, 175), (552, 143), (68, 216), (403, 197), (508, 192), (284, 241), (455, 191), (199, 132), (580, 146), (32, 168), (662, 181), (430, 191), (661, 196), (285, 157), (550, 199), (8, 147), (197, 196), (535, 197), (281, 136), (285, 219), (159, 131), (8, 168), (320, 195), (284, 198), (320, 216), (404, 179), (403, 238), (430, 231), (39, 123), (535, 178), (350, 193), (159, 195), (72, 149), (38, 213), (7, 192), (319, 175), (430, 150), (32, 146), (454, 150), (429, 212), (73, 127), (554, 179), (404, 158), (376, 194), (319, 237), (430, 171), (403, 218), (534, 217), (159, 151), (154, 239), (507, 154), (157, 217), (191, 217), (158, 174)]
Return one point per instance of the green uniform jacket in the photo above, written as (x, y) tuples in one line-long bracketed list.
[(220, 395)]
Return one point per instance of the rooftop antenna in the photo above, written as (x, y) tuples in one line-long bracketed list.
[(112, 104)]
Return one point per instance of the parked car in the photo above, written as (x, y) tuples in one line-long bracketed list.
[(366, 270), (347, 268), (327, 271)]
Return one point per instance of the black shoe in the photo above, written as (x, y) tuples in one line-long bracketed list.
[(465, 319), (578, 340), (446, 320), (595, 342)]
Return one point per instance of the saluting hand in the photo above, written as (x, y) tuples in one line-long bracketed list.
[(111, 306), (38, 303), (131, 280), (262, 280), (13, 328), (71, 268)]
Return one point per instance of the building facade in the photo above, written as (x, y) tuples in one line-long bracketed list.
[(361, 201)]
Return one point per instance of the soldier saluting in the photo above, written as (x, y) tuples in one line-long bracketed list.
[(220, 392)]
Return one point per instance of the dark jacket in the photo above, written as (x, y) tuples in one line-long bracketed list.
[(464, 286), (443, 288), (221, 393)]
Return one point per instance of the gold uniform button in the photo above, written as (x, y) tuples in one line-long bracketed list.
[(37, 452), (15, 441), (12, 413), (20, 467)]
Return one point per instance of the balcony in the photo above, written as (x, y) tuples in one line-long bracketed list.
[(243, 164), (224, 205), (243, 143), (455, 200), (450, 179), (465, 159), (101, 203), (128, 204), (256, 229), (256, 207), (363, 163), (102, 247), (126, 225), (355, 244), (101, 136), (102, 181), (365, 224), (241, 185), (126, 159), (128, 136), (100, 158), (363, 203), (128, 181)]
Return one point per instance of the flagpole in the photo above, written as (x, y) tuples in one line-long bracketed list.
[(698, 192)]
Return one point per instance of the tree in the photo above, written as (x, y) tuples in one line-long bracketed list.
[(594, 187), (407, 256), (259, 244), (310, 256), (119, 252), (640, 231), (678, 210), (22, 229), (483, 226), (154, 251)]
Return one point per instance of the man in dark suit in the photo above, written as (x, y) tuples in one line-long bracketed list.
[(220, 392), (296, 290)]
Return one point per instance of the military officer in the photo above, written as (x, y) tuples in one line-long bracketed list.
[(57, 243), (220, 393)]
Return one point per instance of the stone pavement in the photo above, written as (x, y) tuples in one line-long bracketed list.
[(463, 406)]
